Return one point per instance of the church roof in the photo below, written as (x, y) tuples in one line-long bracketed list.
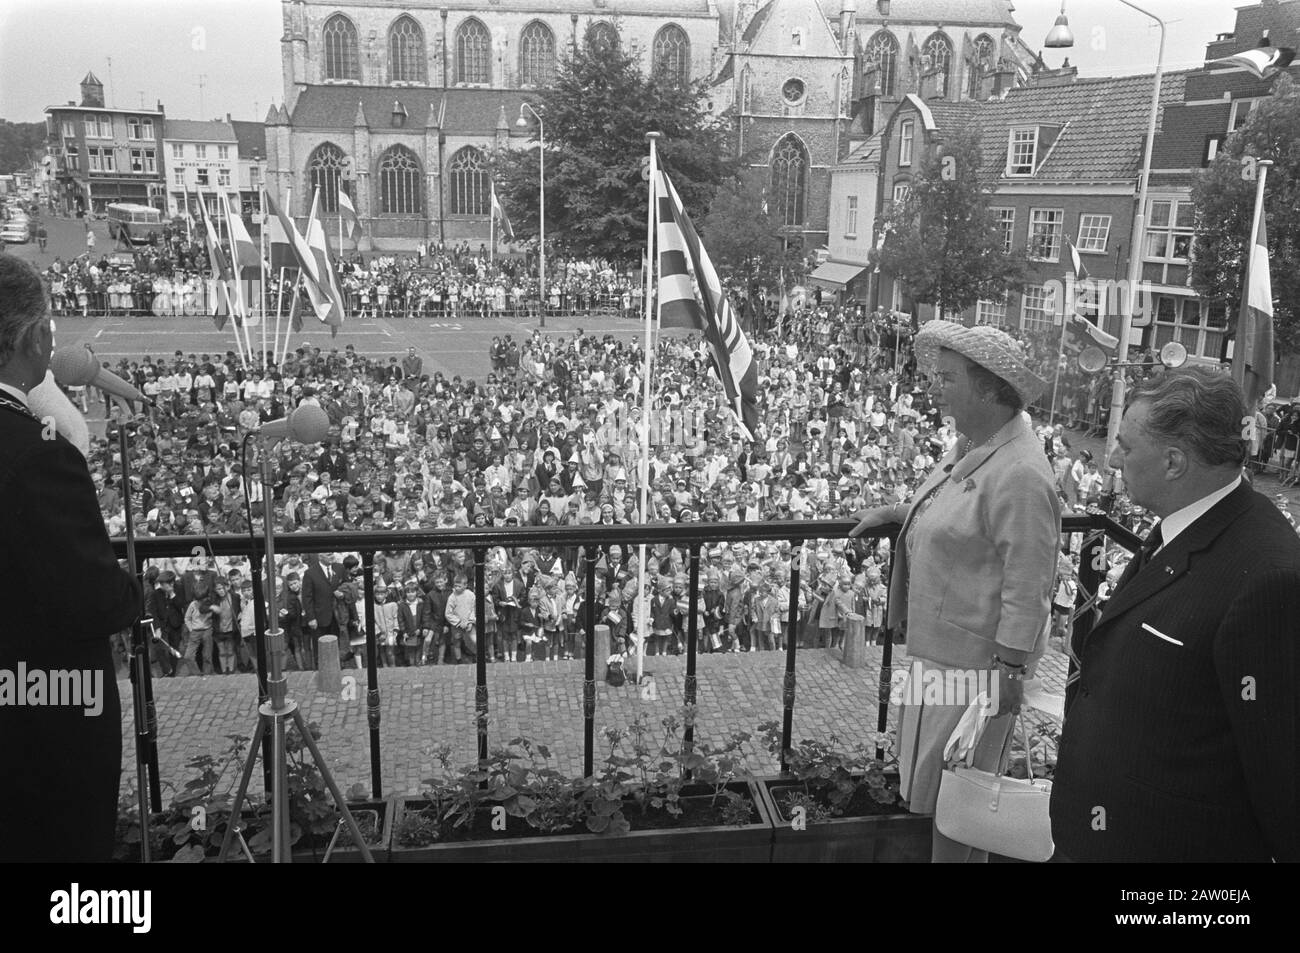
[(947, 12), (608, 9)]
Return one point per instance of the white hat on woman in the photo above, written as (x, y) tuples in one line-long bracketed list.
[(989, 347)]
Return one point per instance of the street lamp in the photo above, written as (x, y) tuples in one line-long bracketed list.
[(522, 123), (1059, 37)]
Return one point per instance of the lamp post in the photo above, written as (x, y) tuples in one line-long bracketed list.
[(541, 206), (1059, 37)]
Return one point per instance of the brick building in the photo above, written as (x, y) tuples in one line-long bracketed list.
[(103, 155)]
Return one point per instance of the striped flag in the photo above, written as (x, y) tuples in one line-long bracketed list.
[(281, 246), (325, 293), (1082, 333), (1263, 61), (502, 219), (1252, 350), (349, 213), (221, 270), (245, 249), (710, 312)]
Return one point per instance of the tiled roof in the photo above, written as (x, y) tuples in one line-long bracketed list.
[(463, 110), (950, 115), (1104, 125), (866, 152), (607, 10), (252, 139), (197, 130), (948, 12)]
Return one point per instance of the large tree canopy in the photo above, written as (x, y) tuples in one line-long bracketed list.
[(596, 119), (746, 243), (942, 241), (1225, 201)]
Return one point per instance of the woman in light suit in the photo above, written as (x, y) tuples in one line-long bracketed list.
[(976, 557)]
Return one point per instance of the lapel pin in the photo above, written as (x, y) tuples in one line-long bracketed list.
[(1170, 570), (968, 486)]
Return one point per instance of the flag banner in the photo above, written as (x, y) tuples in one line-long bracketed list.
[(235, 288), (349, 213), (1081, 333), (300, 253), (1263, 61), (1080, 271), (281, 248), (502, 219), (245, 249), (221, 270), (711, 311), (1252, 352), (326, 294)]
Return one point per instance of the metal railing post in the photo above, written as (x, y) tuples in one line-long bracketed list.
[(372, 674), (692, 637), (591, 552), (480, 657), (791, 641)]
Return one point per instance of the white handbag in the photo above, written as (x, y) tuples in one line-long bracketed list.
[(988, 810)]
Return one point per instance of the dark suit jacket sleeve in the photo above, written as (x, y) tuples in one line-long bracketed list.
[(1257, 658), (57, 519)]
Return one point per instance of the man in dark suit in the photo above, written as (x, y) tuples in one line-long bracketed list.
[(318, 584), (61, 756), (1180, 740)]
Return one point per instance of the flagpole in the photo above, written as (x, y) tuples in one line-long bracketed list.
[(1060, 351), (277, 358), (293, 305), (261, 288), (238, 269), (225, 286), (1238, 367), (492, 227), (643, 465)]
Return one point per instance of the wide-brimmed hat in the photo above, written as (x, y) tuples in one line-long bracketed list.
[(989, 347)]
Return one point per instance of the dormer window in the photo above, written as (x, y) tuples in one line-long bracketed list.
[(1022, 152)]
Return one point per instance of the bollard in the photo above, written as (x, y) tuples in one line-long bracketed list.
[(328, 678), (855, 641), (603, 649)]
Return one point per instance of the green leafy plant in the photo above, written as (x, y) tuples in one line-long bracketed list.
[(831, 776)]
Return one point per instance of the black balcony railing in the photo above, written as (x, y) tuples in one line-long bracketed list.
[(593, 542)]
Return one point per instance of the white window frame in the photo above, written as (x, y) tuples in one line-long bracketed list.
[(851, 217), (906, 137), (1093, 234), (1190, 327), (69, 129), (1022, 135), (1171, 231), (1006, 217), (178, 177), (901, 190), (223, 177), (1235, 113), (1056, 229), (150, 162), (1038, 307), (146, 128), (93, 159), (223, 152), (178, 150), (201, 179), (133, 128), (200, 151), (991, 312), (109, 159)]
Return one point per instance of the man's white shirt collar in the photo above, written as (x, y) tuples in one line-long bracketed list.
[(1177, 522)]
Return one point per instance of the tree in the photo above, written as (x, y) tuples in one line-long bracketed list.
[(745, 241), (21, 144), (1225, 201), (941, 241), (597, 117)]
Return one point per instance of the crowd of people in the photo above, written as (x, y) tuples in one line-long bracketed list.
[(169, 275), (549, 438)]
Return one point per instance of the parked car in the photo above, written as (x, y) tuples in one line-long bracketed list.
[(14, 232)]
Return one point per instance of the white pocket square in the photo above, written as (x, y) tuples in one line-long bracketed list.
[(1160, 635)]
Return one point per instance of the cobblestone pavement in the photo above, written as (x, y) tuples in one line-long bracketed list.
[(423, 708)]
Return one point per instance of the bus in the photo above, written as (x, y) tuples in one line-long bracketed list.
[(131, 224)]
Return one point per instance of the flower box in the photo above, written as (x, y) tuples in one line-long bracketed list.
[(891, 836), (667, 841)]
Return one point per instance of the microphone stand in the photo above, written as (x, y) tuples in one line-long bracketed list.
[(144, 711), (273, 714)]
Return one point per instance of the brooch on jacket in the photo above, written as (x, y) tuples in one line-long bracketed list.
[(968, 486)]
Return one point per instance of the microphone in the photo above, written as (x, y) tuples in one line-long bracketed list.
[(75, 366), (307, 424)]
